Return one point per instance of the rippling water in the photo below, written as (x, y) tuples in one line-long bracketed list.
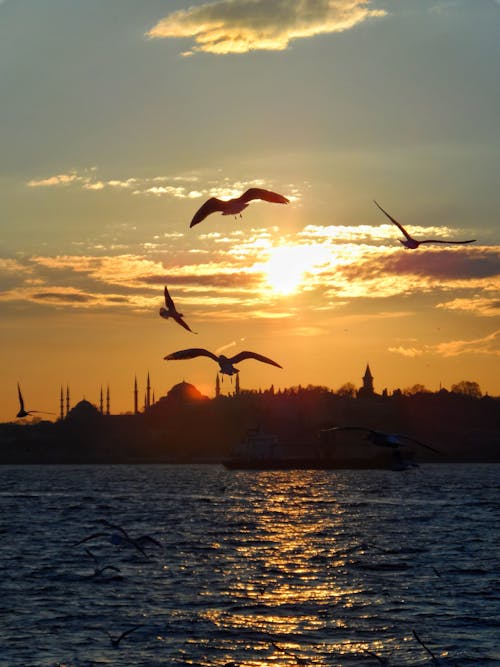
[(256, 568)]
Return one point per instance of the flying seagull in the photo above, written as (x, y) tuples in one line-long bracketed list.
[(381, 439), (99, 570), (171, 311), (115, 641), (409, 241), (121, 537), (24, 413), (237, 205), (225, 363)]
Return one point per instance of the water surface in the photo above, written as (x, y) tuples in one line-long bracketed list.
[(259, 569)]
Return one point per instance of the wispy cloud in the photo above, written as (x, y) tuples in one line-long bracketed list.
[(239, 26), (178, 187), (489, 344), (478, 305), (266, 271), (406, 351)]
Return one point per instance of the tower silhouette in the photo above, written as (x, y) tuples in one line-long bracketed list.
[(136, 397), (367, 388), (107, 400), (148, 393)]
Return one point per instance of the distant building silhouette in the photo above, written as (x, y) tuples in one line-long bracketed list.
[(83, 412), (136, 397), (367, 390)]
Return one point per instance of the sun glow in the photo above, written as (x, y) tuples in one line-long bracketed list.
[(287, 266)]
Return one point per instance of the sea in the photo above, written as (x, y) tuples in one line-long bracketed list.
[(149, 565)]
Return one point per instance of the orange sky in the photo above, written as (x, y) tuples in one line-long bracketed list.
[(118, 124)]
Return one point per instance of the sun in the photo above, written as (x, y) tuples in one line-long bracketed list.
[(287, 266)]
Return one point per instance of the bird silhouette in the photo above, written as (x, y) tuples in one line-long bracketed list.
[(121, 537), (98, 571), (170, 311), (115, 641), (226, 364), (236, 205), (381, 439), (409, 241), (24, 413)]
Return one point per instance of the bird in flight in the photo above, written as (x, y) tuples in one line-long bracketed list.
[(115, 641), (121, 537), (171, 311), (226, 364), (236, 205), (409, 241), (24, 413), (381, 439), (98, 571)]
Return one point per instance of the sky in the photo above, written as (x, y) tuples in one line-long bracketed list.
[(118, 119)]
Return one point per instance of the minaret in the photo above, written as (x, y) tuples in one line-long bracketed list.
[(62, 405), (107, 400), (237, 385), (136, 397), (217, 386), (148, 393), (101, 406), (67, 399)]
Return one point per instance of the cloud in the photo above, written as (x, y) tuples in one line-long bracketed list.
[(239, 26), (475, 304), (58, 179), (178, 187), (489, 344), (406, 351)]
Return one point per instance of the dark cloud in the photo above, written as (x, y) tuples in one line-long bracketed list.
[(61, 296), (211, 280), (449, 264)]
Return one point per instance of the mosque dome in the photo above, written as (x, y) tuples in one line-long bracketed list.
[(83, 411), (183, 391)]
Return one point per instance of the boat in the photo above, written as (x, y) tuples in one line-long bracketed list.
[(259, 450)]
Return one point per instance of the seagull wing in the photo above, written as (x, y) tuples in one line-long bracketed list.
[(266, 195), (147, 539), (127, 632), (180, 321), (93, 556), (110, 567), (168, 300), (252, 355), (191, 353), (447, 242), (115, 527), (210, 206), (417, 442), (21, 402), (89, 537), (399, 225)]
